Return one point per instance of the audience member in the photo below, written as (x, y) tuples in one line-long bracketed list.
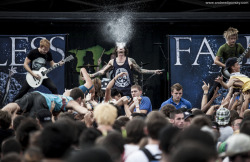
[(44, 117), (135, 132), (166, 109), (141, 104), (5, 121), (105, 116), (155, 121), (176, 99), (223, 118), (10, 145), (177, 118)]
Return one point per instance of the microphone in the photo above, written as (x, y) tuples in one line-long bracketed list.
[(158, 43)]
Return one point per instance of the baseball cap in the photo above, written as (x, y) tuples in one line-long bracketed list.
[(222, 116), (187, 115), (44, 116), (236, 144), (231, 61)]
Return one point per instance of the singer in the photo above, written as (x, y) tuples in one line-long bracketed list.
[(123, 63)]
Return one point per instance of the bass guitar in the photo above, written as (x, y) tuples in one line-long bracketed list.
[(34, 82), (224, 71)]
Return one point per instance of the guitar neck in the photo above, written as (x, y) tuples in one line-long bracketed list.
[(51, 68), (56, 65), (243, 54)]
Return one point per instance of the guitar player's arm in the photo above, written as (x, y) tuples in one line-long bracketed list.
[(27, 68), (217, 62), (52, 63)]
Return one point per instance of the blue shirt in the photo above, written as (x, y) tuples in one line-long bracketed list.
[(59, 100), (145, 104), (85, 90), (182, 104)]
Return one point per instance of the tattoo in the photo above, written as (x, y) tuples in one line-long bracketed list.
[(105, 71), (96, 74), (137, 68)]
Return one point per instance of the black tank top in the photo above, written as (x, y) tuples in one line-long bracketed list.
[(123, 83)]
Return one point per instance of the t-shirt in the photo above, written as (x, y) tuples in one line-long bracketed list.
[(182, 104), (145, 104), (225, 51), (38, 60), (129, 149), (59, 100), (139, 156)]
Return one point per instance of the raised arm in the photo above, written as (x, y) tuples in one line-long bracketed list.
[(137, 68), (208, 104), (227, 85), (104, 70), (85, 76), (245, 104), (205, 89), (75, 106), (110, 85)]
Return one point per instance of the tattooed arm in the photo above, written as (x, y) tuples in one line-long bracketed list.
[(104, 70), (137, 68)]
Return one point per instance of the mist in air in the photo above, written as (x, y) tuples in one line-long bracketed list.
[(119, 27)]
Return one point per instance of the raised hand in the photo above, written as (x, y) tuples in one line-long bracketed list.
[(205, 87), (219, 79), (88, 97)]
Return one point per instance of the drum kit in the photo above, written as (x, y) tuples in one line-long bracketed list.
[(88, 67)]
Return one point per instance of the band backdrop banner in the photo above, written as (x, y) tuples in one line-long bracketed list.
[(191, 63), (13, 51)]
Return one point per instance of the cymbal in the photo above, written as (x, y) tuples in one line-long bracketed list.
[(143, 64), (87, 66)]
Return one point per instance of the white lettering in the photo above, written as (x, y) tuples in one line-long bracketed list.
[(13, 60), (178, 50), (210, 52), (33, 40), (52, 47)]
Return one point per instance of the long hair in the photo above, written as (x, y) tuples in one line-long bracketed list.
[(116, 54)]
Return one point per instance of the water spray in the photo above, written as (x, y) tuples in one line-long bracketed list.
[(120, 44), (119, 28)]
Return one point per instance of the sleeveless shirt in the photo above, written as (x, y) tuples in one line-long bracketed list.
[(123, 83)]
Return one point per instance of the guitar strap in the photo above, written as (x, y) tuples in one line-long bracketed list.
[(236, 52)]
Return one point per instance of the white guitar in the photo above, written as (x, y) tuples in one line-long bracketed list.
[(34, 83)]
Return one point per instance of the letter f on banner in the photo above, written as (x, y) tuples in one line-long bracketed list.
[(178, 50)]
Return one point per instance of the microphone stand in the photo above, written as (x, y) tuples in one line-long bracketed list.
[(163, 54), (142, 75)]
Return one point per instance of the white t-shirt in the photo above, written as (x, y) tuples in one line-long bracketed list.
[(225, 132), (129, 149), (139, 156)]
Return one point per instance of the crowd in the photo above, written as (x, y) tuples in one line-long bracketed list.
[(89, 124)]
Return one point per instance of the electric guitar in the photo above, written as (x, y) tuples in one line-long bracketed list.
[(34, 82), (224, 71)]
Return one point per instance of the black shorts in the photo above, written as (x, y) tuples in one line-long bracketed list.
[(31, 103)]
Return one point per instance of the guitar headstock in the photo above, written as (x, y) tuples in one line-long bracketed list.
[(12, 71), (69, 58)]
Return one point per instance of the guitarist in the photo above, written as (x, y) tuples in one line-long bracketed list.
[(38, 58), (228, 50)]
